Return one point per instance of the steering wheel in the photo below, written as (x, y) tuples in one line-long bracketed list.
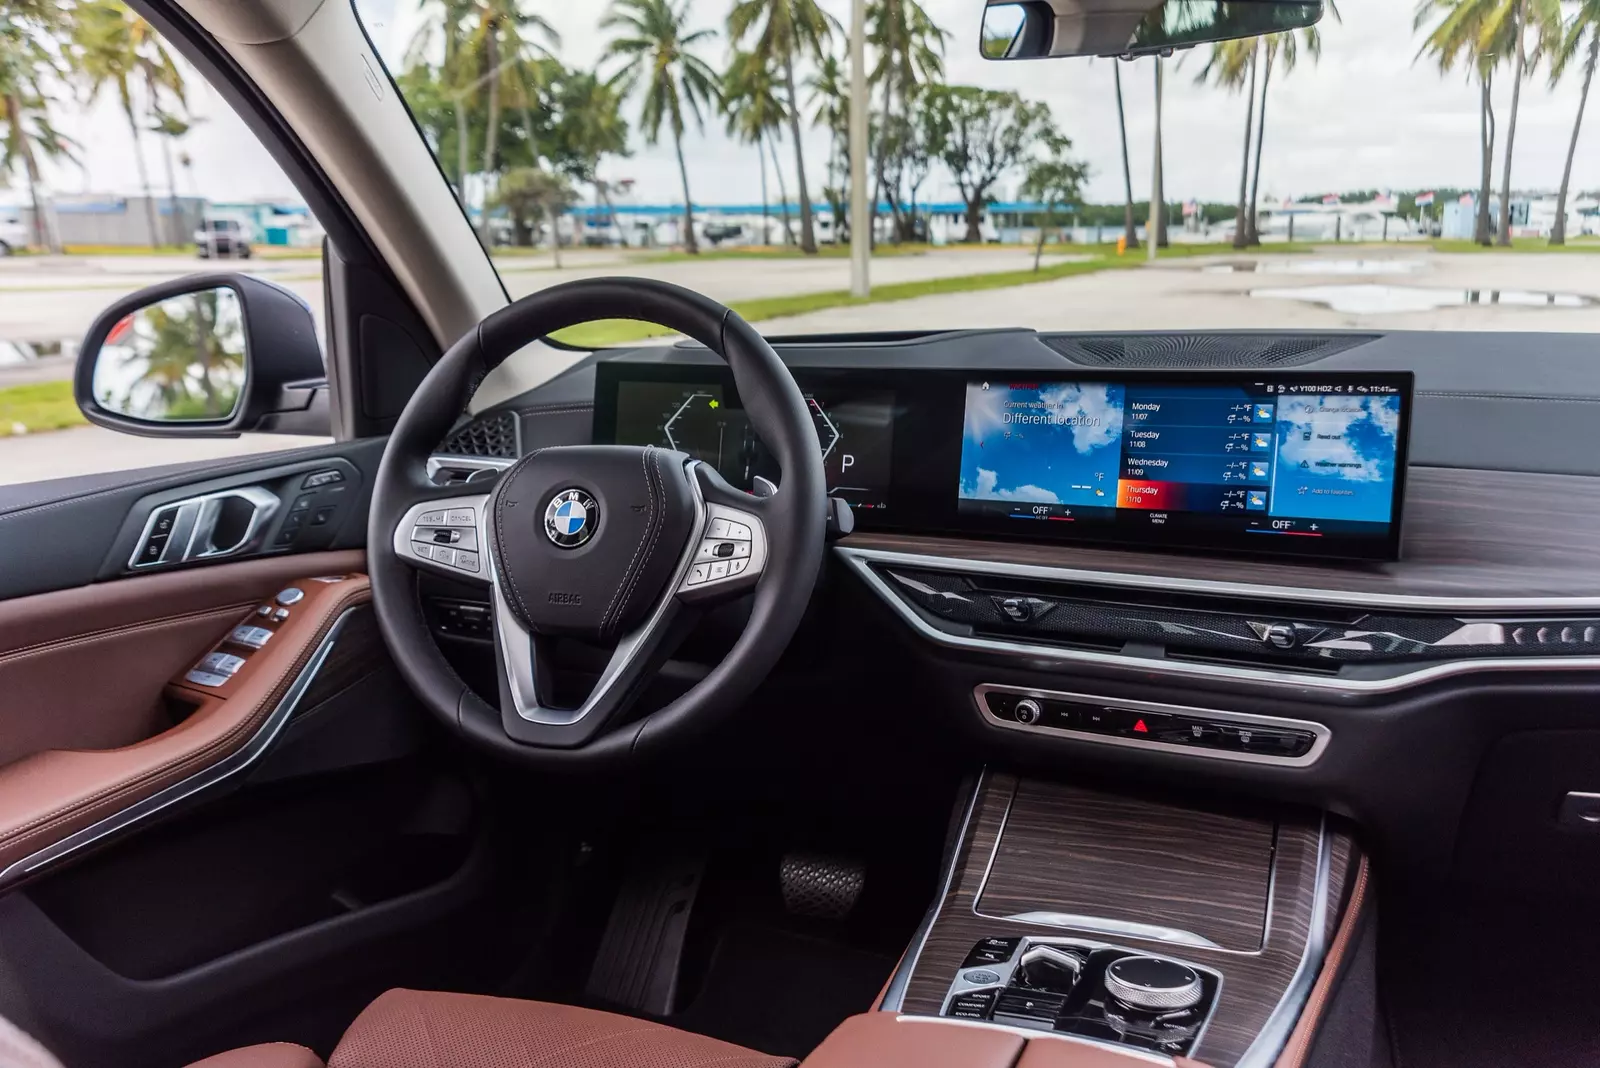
[(610, 544)]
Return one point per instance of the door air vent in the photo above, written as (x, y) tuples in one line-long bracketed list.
[(1201, 350), (490, 435)]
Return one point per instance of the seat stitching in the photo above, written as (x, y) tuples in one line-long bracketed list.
[(420, 1008), (562, 1051)]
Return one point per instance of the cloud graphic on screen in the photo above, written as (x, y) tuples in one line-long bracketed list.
[(1335, 424), (984, 489), (1099, 418)]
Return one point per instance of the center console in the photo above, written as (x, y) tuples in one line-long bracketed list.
[(1133, 924)]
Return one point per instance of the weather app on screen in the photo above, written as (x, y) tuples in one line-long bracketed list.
[(1262, 457)]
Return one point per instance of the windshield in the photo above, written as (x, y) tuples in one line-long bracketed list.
[(1395, 167)]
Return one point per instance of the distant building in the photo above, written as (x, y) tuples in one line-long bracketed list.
[(106, 219)]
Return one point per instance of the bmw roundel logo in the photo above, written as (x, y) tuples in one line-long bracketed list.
[(571, 517)]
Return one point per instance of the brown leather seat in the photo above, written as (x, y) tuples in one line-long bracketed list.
[(414, 1029)]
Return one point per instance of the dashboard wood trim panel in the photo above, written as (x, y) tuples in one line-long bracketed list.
[(1254, 983), (1468, 534)]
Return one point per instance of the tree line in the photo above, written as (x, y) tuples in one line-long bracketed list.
[(500, 109), (503, 112)]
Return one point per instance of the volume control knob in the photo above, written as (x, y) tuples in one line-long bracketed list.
[(1153, 984), (1028, 711)]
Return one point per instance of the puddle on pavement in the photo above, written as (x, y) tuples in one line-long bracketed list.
[(1381, 299), (18, 353), (1304, 266)]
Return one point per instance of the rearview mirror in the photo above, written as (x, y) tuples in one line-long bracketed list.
[(1039, 29), (208, 355)]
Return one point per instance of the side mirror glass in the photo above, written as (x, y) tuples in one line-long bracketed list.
[(179, 360), (1039, 29), (207, 355)]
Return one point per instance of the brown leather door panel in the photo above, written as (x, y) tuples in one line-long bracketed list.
[(86, 685)]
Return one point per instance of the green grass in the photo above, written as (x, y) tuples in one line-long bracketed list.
[(38, 406), (1589, 245), (618, 331)]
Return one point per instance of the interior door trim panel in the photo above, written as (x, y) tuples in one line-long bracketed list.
[(49, 797), (120, 642), (187, 789), (67, 530)]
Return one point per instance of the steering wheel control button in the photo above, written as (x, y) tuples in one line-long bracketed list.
[(719, 570), (738, 531), (699, 573), (290, 595), (570, 518), (251, 637), (205, 678), (431, 519), (1153, 984), (736, 567), (718, 530), (466, 561), (461, 517), (442, 555)]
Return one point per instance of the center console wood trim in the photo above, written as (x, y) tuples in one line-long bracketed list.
[(1263, 992)]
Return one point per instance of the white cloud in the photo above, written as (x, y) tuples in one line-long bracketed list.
[(984, 489)]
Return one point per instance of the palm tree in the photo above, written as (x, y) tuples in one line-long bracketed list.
[(116, 47), (1460, 37), (592, 125), (655, 42), (1229, 65), (755, 115), (910, 50), (830, 97), (783, 30), (1130, 232), (28, 62), (1584, 25), (170, 128), (499, 49)]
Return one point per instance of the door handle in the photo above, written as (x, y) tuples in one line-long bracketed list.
[(225, 523)]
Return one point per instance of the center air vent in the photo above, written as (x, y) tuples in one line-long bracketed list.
[(1201, 350), (490, 435)]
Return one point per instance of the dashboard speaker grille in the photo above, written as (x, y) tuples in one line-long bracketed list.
[(491, 435), (1201, 350)]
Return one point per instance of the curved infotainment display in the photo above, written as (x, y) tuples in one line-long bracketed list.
[(1291, 463), (1278, 459)]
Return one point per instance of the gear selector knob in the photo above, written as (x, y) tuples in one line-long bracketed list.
[(1153, 984), (1049, 968)]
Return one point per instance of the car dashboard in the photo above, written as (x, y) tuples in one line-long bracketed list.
[(1369, 668)]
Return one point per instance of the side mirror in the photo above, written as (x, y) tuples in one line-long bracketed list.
[(1041, 29), (207, 355)]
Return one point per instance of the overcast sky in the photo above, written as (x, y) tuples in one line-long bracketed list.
[(1367, 116)]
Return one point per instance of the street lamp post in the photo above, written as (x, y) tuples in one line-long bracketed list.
[(1157, 193), (860, 213)]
